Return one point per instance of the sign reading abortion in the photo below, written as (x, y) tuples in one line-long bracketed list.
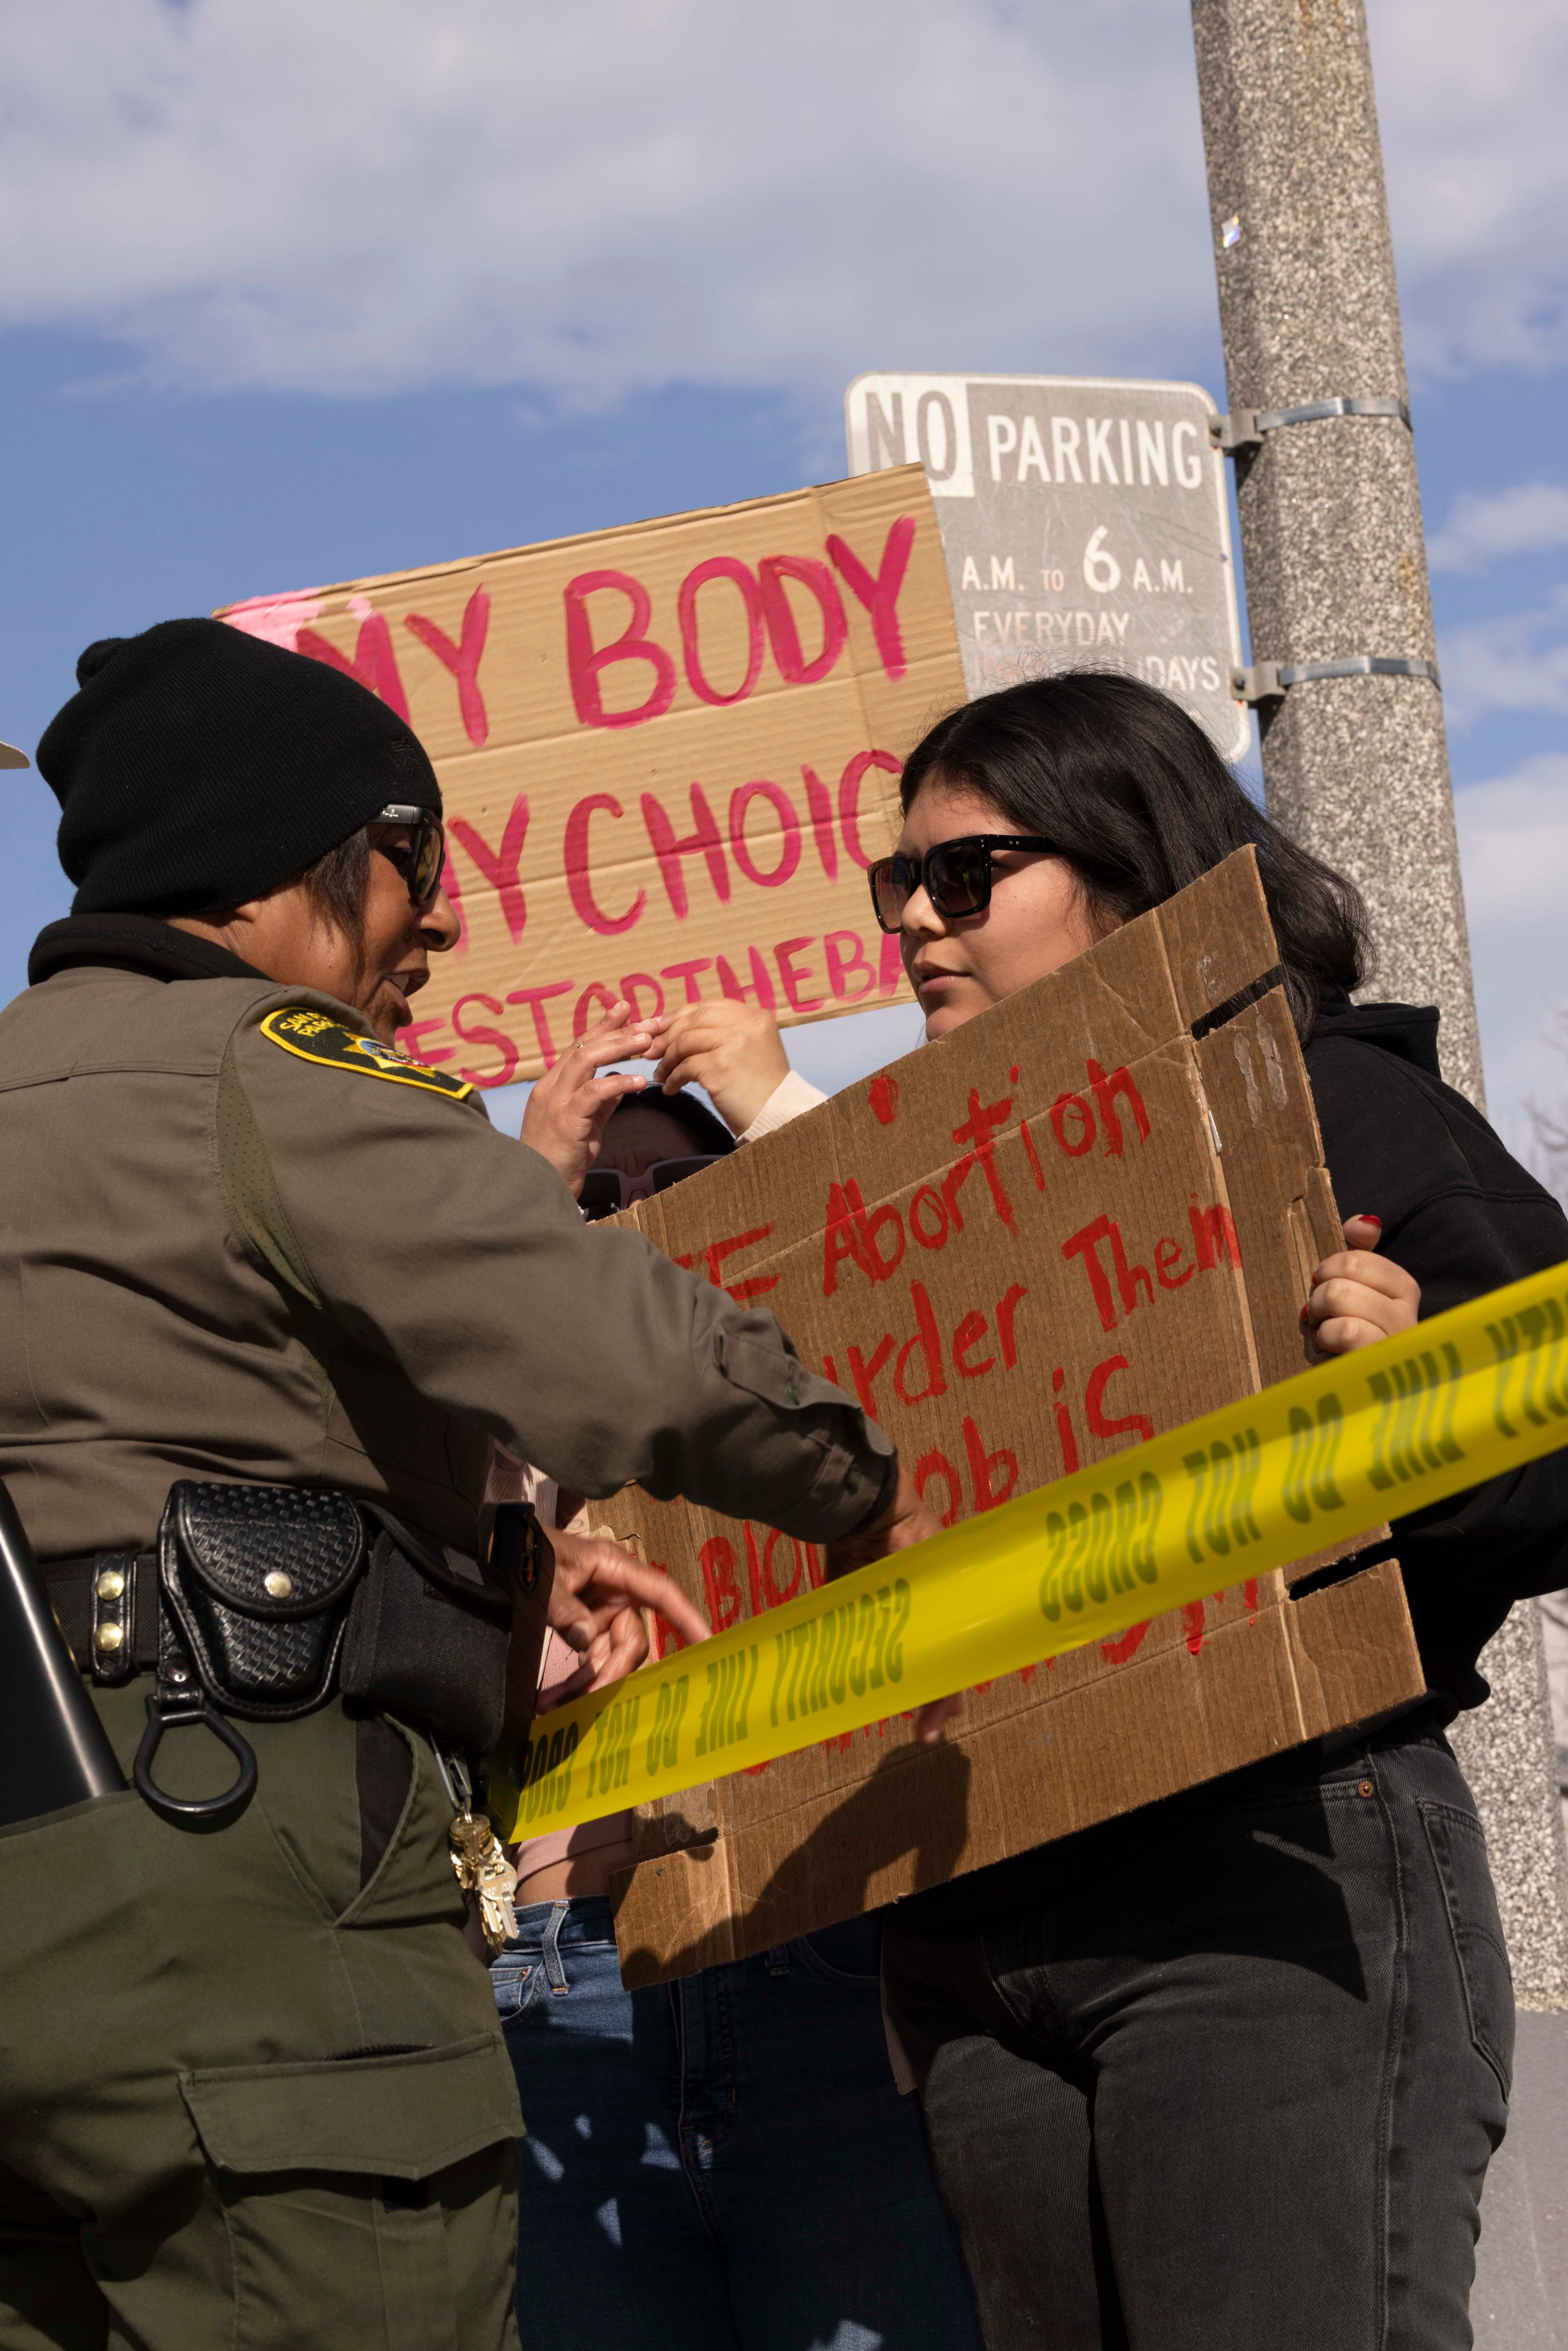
[(1079, 1221), (1083, 521), (668, 754)]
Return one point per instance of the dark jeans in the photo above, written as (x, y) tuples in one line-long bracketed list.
[(1232, 2082), (721, 2163)]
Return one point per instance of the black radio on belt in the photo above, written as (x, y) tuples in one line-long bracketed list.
[(262, 1602)]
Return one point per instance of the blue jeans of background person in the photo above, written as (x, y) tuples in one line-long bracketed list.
[(721, 2163), (1229, 2082)]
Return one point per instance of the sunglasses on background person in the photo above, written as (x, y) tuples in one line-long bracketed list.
[(955, 875), (605, 1190), (420, 857)]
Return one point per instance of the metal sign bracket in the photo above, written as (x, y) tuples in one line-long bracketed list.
[(1245, 427), (1268, 681)]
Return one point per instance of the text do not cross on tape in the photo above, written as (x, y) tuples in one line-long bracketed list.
[(1271, 1478)]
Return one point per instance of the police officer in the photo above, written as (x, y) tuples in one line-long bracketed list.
[(252, 2090)]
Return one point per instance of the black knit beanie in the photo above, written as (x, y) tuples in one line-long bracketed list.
[(199, 767)]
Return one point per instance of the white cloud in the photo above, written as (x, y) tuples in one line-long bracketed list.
[(1513, 850), (1521, 521), (1516, 662), (352, 195)]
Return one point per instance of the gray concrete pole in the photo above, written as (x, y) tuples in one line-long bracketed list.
[(1356, 768)]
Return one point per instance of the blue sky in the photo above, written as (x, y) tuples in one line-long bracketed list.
[(338, 286)]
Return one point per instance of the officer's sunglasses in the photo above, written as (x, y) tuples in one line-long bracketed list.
[(955, 875), (605, 1190), (420, 857)]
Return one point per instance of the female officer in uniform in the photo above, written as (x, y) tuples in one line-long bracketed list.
[(253, 2092)]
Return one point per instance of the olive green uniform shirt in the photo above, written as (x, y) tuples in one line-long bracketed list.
[(224, 1254)]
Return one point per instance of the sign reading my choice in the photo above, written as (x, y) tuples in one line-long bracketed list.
[(1084, 521), (667, 753)]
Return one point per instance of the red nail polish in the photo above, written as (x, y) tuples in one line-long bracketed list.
[(1368, 1219), (1303, 1313)]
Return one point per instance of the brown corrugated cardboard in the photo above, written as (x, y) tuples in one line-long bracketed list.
[(1065, 1226), (667, 754)]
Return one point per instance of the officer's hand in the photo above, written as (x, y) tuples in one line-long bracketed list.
[(906, 1520), (596, 1605), (732, 1051), (570, 1105)]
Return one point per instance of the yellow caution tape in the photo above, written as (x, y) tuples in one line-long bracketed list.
[(1266, 1480)]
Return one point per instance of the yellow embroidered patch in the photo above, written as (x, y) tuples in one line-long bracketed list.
[(315, 1037)]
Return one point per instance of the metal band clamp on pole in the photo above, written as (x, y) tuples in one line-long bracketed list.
[(1244, 428), (1266, 681)]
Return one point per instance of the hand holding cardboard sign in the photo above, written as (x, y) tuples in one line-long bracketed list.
[(1358, 1297), (734, 1050), (570, 1105)]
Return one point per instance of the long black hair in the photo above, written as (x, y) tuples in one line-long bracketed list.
[(1136, 798)]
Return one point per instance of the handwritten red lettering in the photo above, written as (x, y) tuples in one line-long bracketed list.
[(840, 965), (632, 986), (536, 998), (686, 972), (594, 994), (462, 659), (1106, 1089), (1167, 1256), (882, 1093), (1064, 1425), (723, 1593), (820, 806), (1133, 1423), (980, 1126), (1006, 1309), (937, 1464), (928, 1339), (761, 982), (578, 866), (784, 955), (714, 1256), (1126, 1646), (850, 802), (472, 1033), (1059, 1110), (879, 591), (719, 567), (374, 662), (1213, 1233), (1032, 1156), (982, 1465), (865, 1375), (502, 868), (586, 664), (740, 800), (783, 634), (968, 1335), (703, 839)]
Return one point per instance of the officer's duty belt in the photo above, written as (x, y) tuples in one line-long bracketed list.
[(108, 1610)]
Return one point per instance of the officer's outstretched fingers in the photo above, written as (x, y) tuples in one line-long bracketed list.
[(569, 1106)]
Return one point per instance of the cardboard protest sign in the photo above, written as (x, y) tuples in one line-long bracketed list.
[(1083, 1219), (668, 754)]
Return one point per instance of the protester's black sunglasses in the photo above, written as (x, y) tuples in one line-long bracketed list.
[(605, 1190), (420, 857), (957, 875)]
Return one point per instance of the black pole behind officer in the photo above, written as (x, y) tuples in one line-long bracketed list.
[(266, 1293)]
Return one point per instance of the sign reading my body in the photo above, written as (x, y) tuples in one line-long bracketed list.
[(909, 1367), (785, 620)]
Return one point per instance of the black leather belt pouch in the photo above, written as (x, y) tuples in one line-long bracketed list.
[(256, 1582), (430, 1630)]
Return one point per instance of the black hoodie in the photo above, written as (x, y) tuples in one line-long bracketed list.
[(1463, 1216)]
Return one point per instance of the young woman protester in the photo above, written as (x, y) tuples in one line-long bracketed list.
[(721, 2163), (1225, 2072)]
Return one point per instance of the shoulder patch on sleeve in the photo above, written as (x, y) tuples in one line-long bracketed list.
[(300, 1028)]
